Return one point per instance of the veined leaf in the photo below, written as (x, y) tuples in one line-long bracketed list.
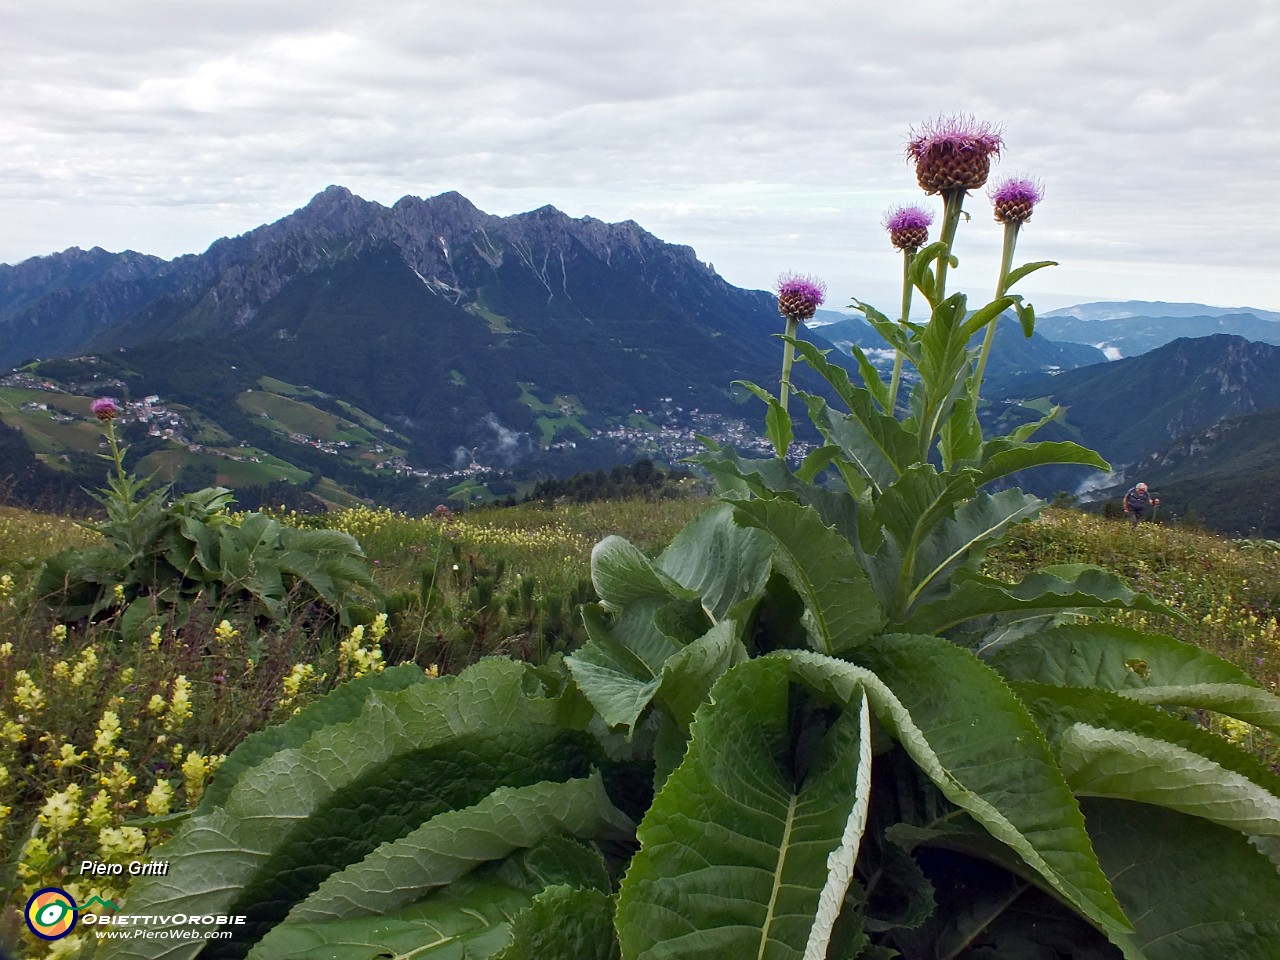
[(976, 523), (304, 812), (1017, 273), (987, 314), (1194, 890), (777, 422), (971, 735), (838, 378), (718, 561), (619, 669), (874, 441), (841, 609), (472, 918), (1053, 590), (622, 575), (1127, 766), (343, 705), (740, 854), (1001, 457), (1060, 709), (621, 685), (1149, 668), (564, 923), (453, 843)]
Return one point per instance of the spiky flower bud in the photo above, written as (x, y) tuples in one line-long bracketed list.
[(105, 408), (908, 227), (799, 296), (1013, 199), (953, 153)]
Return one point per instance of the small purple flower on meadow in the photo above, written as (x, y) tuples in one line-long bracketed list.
[(799, 296), (105, 408), (1013, 199), (953, 153), (908, 227)]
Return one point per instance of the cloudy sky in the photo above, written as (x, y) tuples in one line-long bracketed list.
[(769, 136)]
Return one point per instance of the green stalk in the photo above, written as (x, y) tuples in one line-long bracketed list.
[(952, 207), (1006, 263), (907, 257), (788, 358)]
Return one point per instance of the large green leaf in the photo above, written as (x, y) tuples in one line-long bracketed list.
[(721, 562), (1149, 668), (1002, 456), (341, 706), (1060, 589), (877, 443), (990, 758), (621, 682), (1128, 766), (471, 919), (619, 669), (1193, 889), (304, 812), (1060, 709), (622, 575), (749, 848), (453, 843), (841, 608), (976, 523)]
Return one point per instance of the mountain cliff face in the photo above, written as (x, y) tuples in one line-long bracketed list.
[(430, 314)]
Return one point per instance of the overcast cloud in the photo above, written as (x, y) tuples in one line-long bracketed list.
[(768, 136)]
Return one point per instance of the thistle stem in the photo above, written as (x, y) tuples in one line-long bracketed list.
[(952, 207), (788, 358), (1006, 264), (907, 256)]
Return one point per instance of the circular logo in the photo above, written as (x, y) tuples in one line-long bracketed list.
[(51, 913)]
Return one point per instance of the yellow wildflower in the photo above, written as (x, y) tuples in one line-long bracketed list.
[(195, 774), (378, 629), (6, 586), (157, 704), (105, 736), (6, 649), (155, 639), (59, 632), (12, 732), (68, 756), (120, 843), (60, 811), (118, 592), (160, 799), (87, 663), (432, 671), (99, 813), (225, 632), (179, 704), (118, 780), (26, 693), (61, 670)]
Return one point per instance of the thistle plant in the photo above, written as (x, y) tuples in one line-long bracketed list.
[(908, 231), (799, 297), (1013, 199), (812, 727)]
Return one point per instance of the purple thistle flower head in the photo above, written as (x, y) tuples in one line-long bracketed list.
[(799, 296), (105, 408), (908, 227), (1014, 198), (953, 153)]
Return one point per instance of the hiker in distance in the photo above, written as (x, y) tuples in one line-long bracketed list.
[(1137, 502)]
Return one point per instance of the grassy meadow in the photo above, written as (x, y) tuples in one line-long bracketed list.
[(101, 740)]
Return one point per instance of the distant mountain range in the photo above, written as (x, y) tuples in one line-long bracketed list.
[(472, 340), (354, 349), (1134, 327)]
